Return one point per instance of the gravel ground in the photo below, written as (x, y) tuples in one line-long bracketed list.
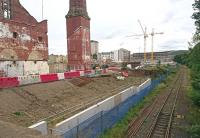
[(8, 130), (27, 105), (181, 111)]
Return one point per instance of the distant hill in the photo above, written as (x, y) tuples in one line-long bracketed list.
[(178, 52)]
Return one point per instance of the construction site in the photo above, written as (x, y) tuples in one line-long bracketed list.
[(27, 105), (78, 96)]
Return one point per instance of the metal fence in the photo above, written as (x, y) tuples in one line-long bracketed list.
[(96, 125)]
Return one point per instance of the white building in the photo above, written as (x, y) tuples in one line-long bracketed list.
[(94, 47), (121, 55), (106, 56)]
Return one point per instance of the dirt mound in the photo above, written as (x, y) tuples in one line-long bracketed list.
[(27, 105), (8, 130)]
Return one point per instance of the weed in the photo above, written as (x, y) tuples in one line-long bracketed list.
[(18, 114)]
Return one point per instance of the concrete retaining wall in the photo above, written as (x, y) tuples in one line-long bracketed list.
[(144, 85), (41, 127), (104, 106), (75, 120)]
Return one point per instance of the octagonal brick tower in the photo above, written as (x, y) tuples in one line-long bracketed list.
[(78, 36)]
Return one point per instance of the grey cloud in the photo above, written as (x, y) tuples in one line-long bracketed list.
[(168, 17), (173, 44), (113, 34)]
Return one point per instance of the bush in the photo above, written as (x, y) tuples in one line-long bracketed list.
[(194, 131), (194, 62), (195, 96)]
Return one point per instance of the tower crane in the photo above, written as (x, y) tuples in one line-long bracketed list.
[(145, 40), (153, 33), (145, 35)]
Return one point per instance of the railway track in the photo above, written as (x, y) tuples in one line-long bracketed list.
[(68, 112), (156, 119)]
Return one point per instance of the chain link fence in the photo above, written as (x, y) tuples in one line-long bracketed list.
[(97, 124)]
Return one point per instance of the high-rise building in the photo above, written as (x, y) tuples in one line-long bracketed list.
[(94, 47), (78, 36)]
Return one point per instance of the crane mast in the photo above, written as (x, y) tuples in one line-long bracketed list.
[(152, 43), (145, 35), (145, 40)]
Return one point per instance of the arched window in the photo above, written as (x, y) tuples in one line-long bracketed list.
[(6, 8)]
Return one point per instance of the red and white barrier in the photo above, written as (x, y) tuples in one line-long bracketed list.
[(24, 80), (70, 75), (48, 77), (61, 76), (7, 82)]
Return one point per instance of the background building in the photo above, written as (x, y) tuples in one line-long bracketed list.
[(121, 55), (166, 56), (94, 47), (78, 36), (106, 56), (23, 41), (57, 63)]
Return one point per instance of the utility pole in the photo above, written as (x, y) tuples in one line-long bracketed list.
[(42, 9)]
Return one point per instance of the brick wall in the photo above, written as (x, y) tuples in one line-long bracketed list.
[(22, 38), (78, 42)]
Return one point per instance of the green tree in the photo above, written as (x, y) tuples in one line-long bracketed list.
[(104, 66), (182, 59), (195, 66), (196, 17), (94, 56), (124, 66)]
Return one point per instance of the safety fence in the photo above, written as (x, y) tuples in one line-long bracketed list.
[(8, 82), (101, 121)]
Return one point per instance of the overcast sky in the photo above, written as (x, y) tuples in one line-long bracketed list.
[(113, 20)]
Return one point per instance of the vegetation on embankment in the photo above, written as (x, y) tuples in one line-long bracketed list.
[(192, 60), (119, 130), (194, 115)]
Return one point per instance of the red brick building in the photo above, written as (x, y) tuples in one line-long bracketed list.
[(78, 36), (23, 41)]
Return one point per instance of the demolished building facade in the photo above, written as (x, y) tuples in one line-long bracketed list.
[(23, 41)]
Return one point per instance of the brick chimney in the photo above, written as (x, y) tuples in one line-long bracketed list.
[(78, 36)]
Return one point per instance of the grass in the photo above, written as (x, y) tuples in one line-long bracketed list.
[(119, 130)]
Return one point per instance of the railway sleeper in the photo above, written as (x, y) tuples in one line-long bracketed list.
[(165, 114), (157, 136), (159, 133), (163, 120), (161, 125)]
